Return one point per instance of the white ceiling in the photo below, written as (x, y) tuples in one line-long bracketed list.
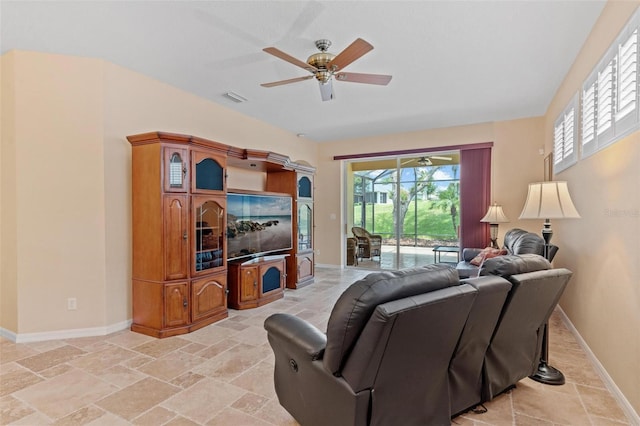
[(453, 62)]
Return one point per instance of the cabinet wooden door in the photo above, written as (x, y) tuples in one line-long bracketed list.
[(249, 282), (176, 304), (208, 172), (272, 276), (175, 160), (305, 267), (176, 244), (208, 296)]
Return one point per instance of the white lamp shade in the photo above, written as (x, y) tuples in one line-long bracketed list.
[(548, 200), (495, 215)]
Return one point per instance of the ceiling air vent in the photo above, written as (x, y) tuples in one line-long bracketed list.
[(235, 97)]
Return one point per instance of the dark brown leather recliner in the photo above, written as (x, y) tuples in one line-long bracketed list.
[(384, 359), (501, 342), (514, 351), (516, 241), (465, 370)]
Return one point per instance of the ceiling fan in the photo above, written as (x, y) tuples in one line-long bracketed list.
[(426, 160), (324, 66)]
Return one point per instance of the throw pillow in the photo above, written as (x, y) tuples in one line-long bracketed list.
[(487, 253)]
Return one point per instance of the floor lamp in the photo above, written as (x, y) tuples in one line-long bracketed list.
[(548, 200)]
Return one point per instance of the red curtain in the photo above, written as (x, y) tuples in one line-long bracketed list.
[(475, 196)]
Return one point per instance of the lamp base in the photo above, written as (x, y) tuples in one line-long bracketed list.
[(548, 375)]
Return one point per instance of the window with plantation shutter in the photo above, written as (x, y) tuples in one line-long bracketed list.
[(564, 137), (610, 95)]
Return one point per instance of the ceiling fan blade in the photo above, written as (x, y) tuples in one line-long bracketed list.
[(354, 77), (354, 51), (291, 80), (437, 157), (326, 90), (286, 57)]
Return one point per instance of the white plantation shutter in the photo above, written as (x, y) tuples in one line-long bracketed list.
[(558, 141), (569, 131), (605, 98), (564, 137), (589, 113), (627, 86), (611, 94)]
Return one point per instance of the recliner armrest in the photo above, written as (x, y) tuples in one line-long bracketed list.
[(297, 334), (469, 253)]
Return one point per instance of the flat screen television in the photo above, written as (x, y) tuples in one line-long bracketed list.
[(258, 224)]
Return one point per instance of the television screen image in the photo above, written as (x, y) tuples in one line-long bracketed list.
[(258, 224)]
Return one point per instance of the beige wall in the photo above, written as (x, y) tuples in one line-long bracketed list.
[(8, 235), (57, 210), (603, 247), (66, 182)]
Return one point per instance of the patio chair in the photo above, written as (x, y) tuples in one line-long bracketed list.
[(369, 245)]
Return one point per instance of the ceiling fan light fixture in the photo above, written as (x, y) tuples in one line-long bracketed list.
[(323, 76)]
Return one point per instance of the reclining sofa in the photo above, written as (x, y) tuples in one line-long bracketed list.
[(416, 346), (516, 241)]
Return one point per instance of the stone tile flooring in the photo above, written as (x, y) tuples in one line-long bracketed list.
[(223, 375)]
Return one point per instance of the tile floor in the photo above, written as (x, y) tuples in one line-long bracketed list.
[(223, 375), (409, 258)]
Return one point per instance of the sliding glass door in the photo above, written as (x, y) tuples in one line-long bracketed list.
[(413, 203)]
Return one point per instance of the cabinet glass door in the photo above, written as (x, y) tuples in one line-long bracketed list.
[(175, 172), (208, 174), (305, 223), (209, 234), (304, 187)]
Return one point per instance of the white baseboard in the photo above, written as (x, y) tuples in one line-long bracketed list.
[(64, 334), (631, 414)]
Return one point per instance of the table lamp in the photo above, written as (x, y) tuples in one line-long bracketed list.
[(494, 216), (548, 200)]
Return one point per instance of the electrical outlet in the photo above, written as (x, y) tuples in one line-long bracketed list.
[(72, 304)]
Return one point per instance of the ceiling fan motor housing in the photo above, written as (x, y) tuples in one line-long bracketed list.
[(320, 59)]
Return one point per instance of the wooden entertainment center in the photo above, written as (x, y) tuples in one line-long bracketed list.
[(182, 280)]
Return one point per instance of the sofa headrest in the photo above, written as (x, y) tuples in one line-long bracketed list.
[(506, 266), (356, 304), (519, 241)]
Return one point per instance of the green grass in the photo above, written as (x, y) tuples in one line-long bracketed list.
[(433, 223)]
